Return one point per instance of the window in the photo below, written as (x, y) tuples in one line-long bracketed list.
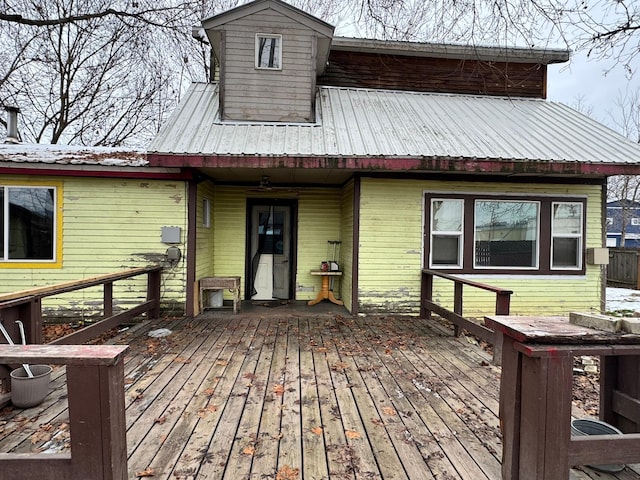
[(206, 213), (566, 235), (515, 234), (268, 51), (609, 222), (635, 221), (28, 221), (446, 228), (506, 234)]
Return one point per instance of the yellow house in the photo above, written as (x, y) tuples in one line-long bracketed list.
[(371, 159)]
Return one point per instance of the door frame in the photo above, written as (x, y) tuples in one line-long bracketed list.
[(293, 241)]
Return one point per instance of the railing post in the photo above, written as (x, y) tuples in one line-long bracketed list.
[(97, 421), (457, 305), (426, 293), (108, 300), (503, 303), (153, 292)]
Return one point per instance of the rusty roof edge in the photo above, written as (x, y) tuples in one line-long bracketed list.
[(398, 164)]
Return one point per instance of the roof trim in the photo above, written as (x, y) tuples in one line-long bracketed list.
[(147, 173), (397, 164), (443, 50), (279, 6)]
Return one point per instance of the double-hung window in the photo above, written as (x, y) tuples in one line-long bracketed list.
[(512, 234), (446, 232), (28, 224)]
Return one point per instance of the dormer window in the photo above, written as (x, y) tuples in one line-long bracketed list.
[(268, 51)]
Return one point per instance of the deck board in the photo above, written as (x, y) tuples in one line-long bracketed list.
[(297, 396)]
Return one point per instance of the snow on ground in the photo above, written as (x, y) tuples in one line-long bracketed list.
[(623, 299)]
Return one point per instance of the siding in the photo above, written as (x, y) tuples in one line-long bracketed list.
[(282, 95), (397, 72), (391, 222), (229, 233), (110, 225), (205, 235), (318, 222)]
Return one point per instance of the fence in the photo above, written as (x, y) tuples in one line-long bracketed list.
[(623, 268)]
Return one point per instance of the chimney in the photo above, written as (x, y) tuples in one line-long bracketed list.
[(12, 124)]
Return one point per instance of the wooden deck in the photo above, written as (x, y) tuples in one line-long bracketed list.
[(285, 395)]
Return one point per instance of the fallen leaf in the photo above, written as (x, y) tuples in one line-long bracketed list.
[(278, 389), (250, 450), (352, 434), (182, 360), (339, 367), (222, 363), (160, 420), (209, 391), (317, 430), (206, 410), (389, 411), (287, 473), (147, 472), (249, 376)]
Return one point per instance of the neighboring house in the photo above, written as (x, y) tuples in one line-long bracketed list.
[(410, 155), (623, 220)]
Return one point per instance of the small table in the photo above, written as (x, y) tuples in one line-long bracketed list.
[(220, 283), (325, 293), (536, 393)]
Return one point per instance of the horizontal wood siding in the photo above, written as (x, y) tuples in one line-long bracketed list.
[(110, 225), (268, 95), (318, 221), (229, 232), (347, 246), (395, 72), (205, 235), (391, 222)]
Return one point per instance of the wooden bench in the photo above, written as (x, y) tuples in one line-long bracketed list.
[(95, 386), (221, 283)]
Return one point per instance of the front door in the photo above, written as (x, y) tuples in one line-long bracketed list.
[(270, 250)]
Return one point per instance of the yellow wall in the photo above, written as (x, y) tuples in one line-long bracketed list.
[(205, 236), (109, 225), (318, 221), (391, 224)]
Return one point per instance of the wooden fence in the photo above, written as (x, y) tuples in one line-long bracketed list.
[(623, 268)]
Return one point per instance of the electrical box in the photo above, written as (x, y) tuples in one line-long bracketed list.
[(170, 234), (598, 256)]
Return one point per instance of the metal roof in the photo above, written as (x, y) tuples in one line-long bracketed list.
[(355, 122)]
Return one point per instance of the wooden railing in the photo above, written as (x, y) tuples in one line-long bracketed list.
[(26, 306), (97, 424), (427, 305)]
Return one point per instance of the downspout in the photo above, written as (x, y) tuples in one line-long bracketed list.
[(192, 211)]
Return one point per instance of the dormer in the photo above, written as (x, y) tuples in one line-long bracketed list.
[(269, 55)]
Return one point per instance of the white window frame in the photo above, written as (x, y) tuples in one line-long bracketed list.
[(260, 36), (5, 225), (206, 213), (635, 221), (578, 235), (450, 233)]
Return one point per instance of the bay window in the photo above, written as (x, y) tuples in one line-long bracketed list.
[(27, 221), (513, 234)]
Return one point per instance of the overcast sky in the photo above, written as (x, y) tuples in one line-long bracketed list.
[(589, 81)]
